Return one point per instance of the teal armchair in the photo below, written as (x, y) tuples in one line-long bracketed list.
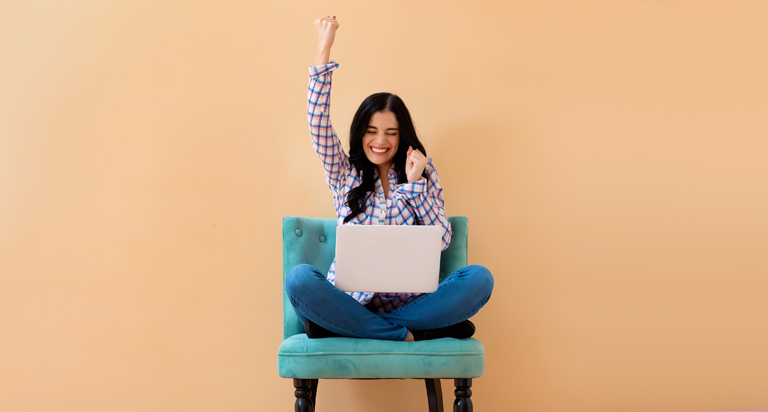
[(313, 241)]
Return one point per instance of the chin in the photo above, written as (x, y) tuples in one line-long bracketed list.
[(377, 162)]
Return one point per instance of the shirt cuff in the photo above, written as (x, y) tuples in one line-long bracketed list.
[(322, 69), (412, 190)]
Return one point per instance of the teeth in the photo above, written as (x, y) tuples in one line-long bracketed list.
[(379, 150)]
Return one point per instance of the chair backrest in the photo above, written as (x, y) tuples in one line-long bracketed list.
[(313, 241)]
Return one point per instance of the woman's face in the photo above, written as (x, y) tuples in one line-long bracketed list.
[(381, 139)]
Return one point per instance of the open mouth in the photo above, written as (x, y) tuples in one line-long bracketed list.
[(379, 150)]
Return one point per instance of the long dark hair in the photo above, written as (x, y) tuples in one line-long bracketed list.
[(378, 102)]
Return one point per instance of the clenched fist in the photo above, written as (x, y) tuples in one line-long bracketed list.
[(326, 31), (415, 162)]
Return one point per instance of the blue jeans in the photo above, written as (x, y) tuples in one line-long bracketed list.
[(457, 298)]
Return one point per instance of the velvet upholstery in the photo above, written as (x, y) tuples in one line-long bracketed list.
[(313, 241), (347, 358)]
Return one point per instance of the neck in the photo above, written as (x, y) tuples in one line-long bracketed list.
[(384, 170)]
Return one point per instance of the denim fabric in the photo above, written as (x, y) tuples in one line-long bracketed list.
[(456, 299)]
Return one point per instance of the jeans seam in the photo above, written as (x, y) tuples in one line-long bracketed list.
[(356, 335), (413, 303), (465, 316), (308, 309)]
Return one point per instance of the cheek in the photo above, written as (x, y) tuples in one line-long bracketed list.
[(395, 143)]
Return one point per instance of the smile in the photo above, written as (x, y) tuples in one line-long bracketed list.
[(379, 150)]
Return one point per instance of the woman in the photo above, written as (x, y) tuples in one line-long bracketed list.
[(386, 179)]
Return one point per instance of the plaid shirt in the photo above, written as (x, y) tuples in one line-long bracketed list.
[(406, 201)]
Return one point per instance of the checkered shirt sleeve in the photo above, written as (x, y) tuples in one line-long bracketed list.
[(324, 139)]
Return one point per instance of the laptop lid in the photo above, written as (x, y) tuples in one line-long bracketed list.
[(388, 258)]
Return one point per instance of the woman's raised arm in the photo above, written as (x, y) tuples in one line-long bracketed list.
[(324, 139)]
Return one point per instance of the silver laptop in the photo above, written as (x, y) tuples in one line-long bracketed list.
[(388, 258)]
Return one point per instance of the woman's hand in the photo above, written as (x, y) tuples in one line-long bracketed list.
[(326, 33), (415, 162)]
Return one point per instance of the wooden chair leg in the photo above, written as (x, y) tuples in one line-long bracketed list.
[(313, 388), (434, 395), (303, 395), (463, 403)]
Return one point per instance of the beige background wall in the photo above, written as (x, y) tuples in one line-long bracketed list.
[(610, 155)]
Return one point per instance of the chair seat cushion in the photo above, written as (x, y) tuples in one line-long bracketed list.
[(346, 358)]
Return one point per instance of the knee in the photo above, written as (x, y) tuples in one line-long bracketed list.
[(481, 278), (299, 277)]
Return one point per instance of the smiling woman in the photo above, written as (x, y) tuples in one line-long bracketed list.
[(380, 124), (387, 179), (381, 139), (381, 142)]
